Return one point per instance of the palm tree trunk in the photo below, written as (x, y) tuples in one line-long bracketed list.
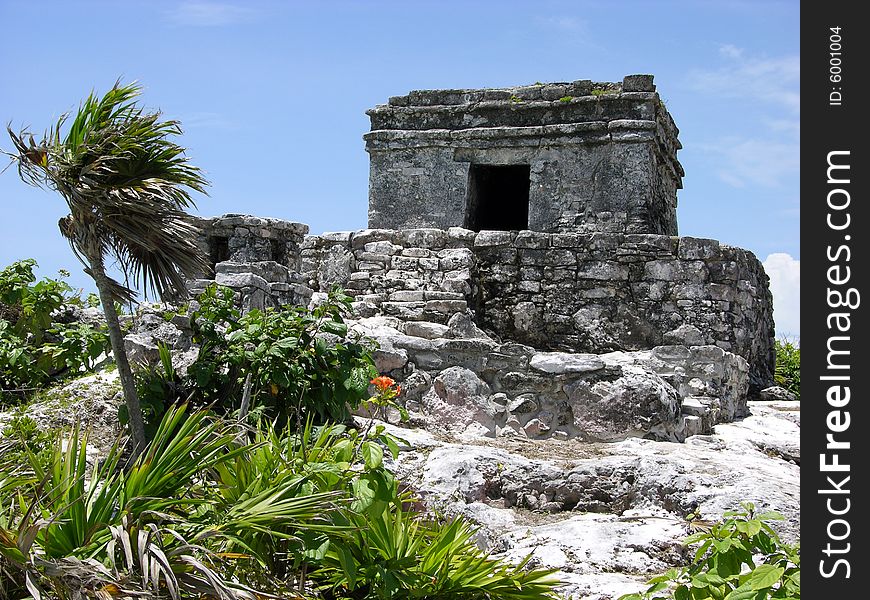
[(128, 385)]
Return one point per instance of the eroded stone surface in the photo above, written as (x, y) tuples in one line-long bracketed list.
[(90, 402), (609, 516), (491, 389)]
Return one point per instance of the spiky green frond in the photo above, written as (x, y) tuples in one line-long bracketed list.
[(127, 185)]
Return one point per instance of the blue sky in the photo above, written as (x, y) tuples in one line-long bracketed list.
[(272, 98)]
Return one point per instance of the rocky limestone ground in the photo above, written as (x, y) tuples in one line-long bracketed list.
[(608, 516), (91, 402)]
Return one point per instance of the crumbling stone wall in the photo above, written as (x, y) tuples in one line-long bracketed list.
[(594, 336), (602, 292), (257, 257), (601, 156), (567, 292)]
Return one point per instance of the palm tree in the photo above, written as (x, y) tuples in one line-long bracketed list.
[(127, 185)]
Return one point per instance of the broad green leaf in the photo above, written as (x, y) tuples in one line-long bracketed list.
[(393, 446), (364, 492), (317, 553), (765, 576), (696, 537), (372, 454), (682, 593), (742, 593), (727, 565), (700, 593), (750, 528)]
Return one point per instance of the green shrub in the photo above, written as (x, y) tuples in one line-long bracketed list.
[(788, 366), (18, 368), (34, 348), (399, 554), (34, 303), (299, 362), (738, 558)]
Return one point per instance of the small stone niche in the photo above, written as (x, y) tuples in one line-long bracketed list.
[(498, 197)]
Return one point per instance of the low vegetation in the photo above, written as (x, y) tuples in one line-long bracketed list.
[(36, 346), (287, 365), (738, 558), (788, 366), (215, 509), (255, 483)]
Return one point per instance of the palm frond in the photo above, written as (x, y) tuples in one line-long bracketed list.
[(127, 185)]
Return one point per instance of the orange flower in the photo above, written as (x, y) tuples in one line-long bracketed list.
[(383, 382)]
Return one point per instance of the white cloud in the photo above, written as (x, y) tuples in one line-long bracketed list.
[(785, 285), (731, 51), (770, 80), (564, 23), (210, 14), (742, 161), (771, 156)]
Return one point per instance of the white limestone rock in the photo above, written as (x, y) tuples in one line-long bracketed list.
[(609, 516), (459, 402)]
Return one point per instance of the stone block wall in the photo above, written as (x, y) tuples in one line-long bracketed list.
[(257, 257), (602, 292), (600, 156), (563, 292), (591, 336)]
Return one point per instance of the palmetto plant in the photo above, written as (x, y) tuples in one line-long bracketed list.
[(157, 528), (213, 510), (127, 185), (400, 555)]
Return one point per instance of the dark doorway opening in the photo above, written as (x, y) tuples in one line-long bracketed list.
[(498, 197), (279, 251), (218, 249)]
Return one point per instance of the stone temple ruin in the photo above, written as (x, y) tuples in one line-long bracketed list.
[(521, 271)]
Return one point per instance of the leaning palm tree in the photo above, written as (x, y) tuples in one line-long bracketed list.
[(126, 184)]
